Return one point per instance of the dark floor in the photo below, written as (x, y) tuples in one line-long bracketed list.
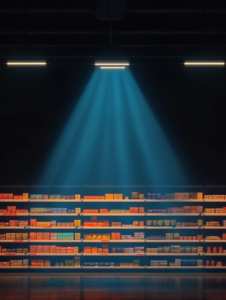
[(57, 287)]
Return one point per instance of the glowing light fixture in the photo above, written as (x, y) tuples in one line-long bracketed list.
[(204, 63), (112, 67), (112, 64), (26, 63)]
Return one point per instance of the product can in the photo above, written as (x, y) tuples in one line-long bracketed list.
[(207, 263)]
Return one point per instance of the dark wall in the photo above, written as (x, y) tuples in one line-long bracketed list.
[(188, 103)]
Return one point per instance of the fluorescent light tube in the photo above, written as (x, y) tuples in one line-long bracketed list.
[(23, 63), (112, 68), (111, 64), (204, 63)]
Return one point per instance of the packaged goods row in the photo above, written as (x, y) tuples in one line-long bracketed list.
[(14, 263), (52, 249), (14, 236), (177, 262), (55, 210), (105, 249), (14, 250), (103, 236), (46, 263)]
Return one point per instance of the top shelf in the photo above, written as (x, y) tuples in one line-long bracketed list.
[(112, 200)]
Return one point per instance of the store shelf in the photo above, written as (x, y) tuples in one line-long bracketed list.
[(13, 214), (173, 200), (113, 241), (55, 214), (172, 214), (14, 227), (14, 200), (55, 241), (53, 228), (13, 254), (54, 200), (173, 241), (215, 267), (215, 254), (113, 254), (214, 227), (14, 241), (214, 200), (172, 227), (214, 241), (54, 254), (112, 267), (176, 267), (214, 215), (63, 267), (13, 267), (111, 227), (113, 215), (174, 254), (113, 200)]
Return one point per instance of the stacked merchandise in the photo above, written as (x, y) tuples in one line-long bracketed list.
[(177, 263), (213, 224), (14, 236), (174, 223), (127, 250), (215, 250), (15, 263), (214, 197), (54, 223), (13, 250), (54, 236), (12, 210), (135, 263), (213, 263), (215, 210), (24, 196), (179, 196), (132, 210), (95, 250), (52, 210), (175, 249), (45, 196), (34, 249), (174, 236), (97, 236), (14, 223)]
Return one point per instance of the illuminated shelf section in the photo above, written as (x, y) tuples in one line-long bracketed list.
[(54, 228), (114, 241), (116, 227), (14, 227), (172, 214), (55, 241), (174, 241), (60, 267), (111, 267), (172, 227), (54, 200), (13, 214), (113, 254), (174, 267), (14, 241), (54, 214), (54, 254), (16, 267), (113, 215), (13, 254)]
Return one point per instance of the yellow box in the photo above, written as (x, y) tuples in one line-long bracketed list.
[(77, 197), (126, 197), (116, 196), (109, 196), (25, 196), (120, 196)]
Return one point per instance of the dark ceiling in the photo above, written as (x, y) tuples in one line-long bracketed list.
[(70, 31), (155, 36)]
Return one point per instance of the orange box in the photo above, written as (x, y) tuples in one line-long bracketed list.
[(33, 236)]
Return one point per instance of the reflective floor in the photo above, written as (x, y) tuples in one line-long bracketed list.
[(68, 287)]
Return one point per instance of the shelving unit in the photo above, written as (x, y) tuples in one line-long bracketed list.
[(148, 230)]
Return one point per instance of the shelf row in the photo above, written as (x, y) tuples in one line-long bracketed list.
[(112, 254), (111, 267), (116, 227), (112, 200), (112, 214), (112, 241)]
